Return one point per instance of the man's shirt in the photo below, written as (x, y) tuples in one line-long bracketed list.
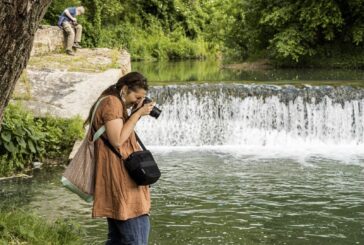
[(63, 17)]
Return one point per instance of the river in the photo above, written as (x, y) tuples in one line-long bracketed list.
[(274, 160)]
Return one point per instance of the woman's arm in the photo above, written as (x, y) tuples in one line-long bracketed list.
[(117, 132)]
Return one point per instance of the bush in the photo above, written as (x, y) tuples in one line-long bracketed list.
[(60, 134), (154, 43), (24, 138), (151, 30)]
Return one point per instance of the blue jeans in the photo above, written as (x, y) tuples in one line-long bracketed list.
[(133, 231)]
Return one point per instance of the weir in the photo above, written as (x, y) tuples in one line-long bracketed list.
[(255, 115)]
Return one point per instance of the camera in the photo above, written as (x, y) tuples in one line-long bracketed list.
[(155, 111)]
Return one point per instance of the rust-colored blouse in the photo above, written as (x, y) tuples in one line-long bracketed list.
[(116, 195)]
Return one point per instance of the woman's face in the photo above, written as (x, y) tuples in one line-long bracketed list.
[(133, 97)]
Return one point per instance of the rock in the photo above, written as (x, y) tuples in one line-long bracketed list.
[(47, 39), (37, 164), (50, 88), (125, 64), (67, 94)]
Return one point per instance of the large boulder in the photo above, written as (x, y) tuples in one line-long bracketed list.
[(47, 39)]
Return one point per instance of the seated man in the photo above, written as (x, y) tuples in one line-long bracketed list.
[(73, 30)]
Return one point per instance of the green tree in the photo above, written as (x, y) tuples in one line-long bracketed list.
[(294, 30), (161, 29)]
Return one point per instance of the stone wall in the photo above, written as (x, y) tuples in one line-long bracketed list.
[(47, 39)]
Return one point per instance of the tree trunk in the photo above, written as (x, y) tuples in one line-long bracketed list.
[(19, 20)]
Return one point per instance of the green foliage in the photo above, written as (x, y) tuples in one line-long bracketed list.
[(287, 32), (158, 29), (293, 31), (154, 43), (20, 227), (25, 139), (20, 139), (60, 134), (93, 21)]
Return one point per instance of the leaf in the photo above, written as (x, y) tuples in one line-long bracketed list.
[(33, 137), (27, 130), (18, 131), (31, 146), (19, 163), (21, 142), (6, 136), (2, 227), (10, 147), (31, 234), (22, 230)]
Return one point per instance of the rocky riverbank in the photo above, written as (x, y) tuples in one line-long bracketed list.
[(66, 86)]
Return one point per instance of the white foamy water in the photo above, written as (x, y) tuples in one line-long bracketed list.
[(265, 125)]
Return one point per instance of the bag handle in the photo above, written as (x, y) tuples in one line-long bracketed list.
[(102, 129)]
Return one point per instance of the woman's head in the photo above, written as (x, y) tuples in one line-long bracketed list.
[(131, 89)]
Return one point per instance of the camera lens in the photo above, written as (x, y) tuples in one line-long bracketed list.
[(155, 111)]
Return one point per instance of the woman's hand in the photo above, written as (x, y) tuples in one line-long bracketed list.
[(146, 109)]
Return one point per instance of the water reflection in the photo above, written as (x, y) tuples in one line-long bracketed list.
[(212, 71), (218, 198)]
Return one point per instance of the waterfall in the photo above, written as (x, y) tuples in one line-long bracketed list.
[(255, 115)]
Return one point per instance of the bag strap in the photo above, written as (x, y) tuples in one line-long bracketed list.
[(136, 135), (102, 129), (98, 133), (140, 142), (112, 148)]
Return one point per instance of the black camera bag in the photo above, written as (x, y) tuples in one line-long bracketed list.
[(140, 165)]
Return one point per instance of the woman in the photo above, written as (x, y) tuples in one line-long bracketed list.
[(117, 197)]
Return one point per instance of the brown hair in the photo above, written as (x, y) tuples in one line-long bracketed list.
[(133, 80)]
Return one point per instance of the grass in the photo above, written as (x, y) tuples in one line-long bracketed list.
[(20, 227), (22, 89), (85, 60)]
